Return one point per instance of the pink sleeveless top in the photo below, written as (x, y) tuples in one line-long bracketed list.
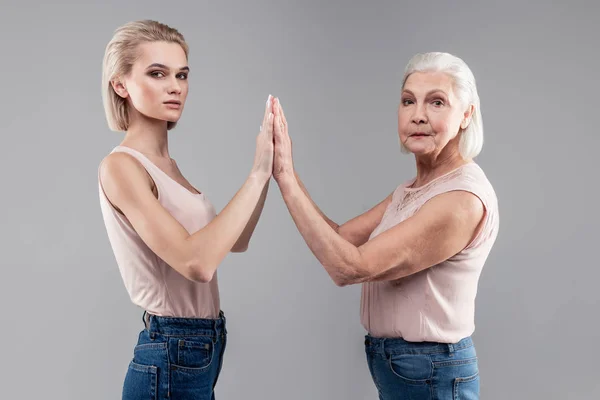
[(438, 303), (151, 283)]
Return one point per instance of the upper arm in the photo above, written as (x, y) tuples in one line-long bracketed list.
[(358, 229), (127, 186), (443, 226)]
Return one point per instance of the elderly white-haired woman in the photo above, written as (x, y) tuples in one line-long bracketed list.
[(418, 253)]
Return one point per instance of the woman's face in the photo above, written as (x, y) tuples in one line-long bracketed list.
[(430, 113), (157, 85)]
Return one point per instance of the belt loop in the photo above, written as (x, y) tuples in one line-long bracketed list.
[(147, 324), (215, 335), (223, 323), (146, 319)]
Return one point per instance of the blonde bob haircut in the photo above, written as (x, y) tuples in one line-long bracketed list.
[(119, 57), (471, 139)]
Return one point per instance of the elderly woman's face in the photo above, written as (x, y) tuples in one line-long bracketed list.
[(430, 114)]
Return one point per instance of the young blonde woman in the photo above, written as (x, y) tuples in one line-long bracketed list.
[(167, 239)]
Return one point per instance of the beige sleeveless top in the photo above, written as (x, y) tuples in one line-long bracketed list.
[(151, 283), (438, 303)]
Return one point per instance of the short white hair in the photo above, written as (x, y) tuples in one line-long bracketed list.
[(471, 140)]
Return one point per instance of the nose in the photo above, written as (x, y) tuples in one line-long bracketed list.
[(420, 115), (174, 86)]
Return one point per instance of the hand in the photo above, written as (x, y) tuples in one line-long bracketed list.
[(263, 158), (283, 164)]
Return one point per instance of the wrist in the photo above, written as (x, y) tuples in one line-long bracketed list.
[(287, 182), (259, 178)]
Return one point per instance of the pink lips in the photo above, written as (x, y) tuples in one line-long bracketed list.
[(175, 104)]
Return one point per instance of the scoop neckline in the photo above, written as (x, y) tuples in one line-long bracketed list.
[(161, 171), (414, 189)]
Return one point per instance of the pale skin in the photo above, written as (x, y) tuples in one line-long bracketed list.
[(156, 90), (430, 117)]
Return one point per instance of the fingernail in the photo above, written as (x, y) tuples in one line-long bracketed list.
[(268, 99)]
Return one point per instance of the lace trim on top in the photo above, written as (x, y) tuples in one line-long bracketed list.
[(406, 200)]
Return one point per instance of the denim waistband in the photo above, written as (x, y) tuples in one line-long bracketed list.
[(185, 326), (401, 346)]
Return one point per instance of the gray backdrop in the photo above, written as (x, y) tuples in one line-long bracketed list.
[(67, 326)]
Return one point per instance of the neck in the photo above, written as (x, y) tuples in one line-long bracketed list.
[(148, 136), (432, 167)]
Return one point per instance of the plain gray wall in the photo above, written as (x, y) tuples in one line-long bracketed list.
[(67, 326)]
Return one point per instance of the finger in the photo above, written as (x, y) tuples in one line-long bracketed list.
[(269, 126), (284, 120), (277, 129), (277, 106), (276, 109), (282, 116), (280, 108), (268, 110)]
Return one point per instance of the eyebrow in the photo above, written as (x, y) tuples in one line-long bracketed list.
[(157, 65), (428, 93)]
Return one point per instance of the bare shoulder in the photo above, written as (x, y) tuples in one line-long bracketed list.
[(122, 175), (459, 206)]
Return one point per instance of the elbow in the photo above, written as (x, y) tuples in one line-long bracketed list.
[(199, 273), (239, 249), (341, 282), (346, 281), (348, 276), (241, 245)]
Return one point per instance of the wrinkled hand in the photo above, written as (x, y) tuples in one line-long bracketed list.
[(283, 164), (263, 158)]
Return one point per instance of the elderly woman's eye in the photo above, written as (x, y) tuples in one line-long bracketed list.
[(438, 103), (406, 102)]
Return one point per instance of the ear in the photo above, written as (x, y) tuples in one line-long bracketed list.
[(119, 88), (467, 117)]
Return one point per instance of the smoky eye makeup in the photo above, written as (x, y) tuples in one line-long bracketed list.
[(406, 100), (438, 95), (157, 74)]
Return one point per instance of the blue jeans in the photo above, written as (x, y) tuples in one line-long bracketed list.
[(423, 370), (176, 358)]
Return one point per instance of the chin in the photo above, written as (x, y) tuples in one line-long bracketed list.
[(172, 118), (418, 150)]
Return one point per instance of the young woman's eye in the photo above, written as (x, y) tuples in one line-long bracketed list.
[(157, 74), (182, 76)]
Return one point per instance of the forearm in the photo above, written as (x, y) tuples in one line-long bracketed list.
[(211, 244), (332, 224), (244, 239), (341, 259)]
